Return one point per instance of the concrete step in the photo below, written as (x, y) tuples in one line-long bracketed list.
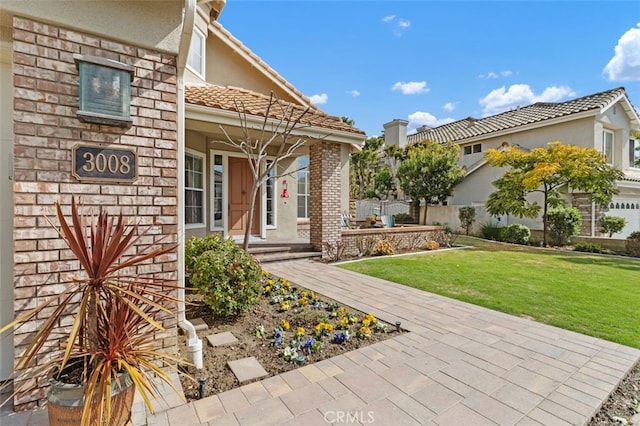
[(285, 255)]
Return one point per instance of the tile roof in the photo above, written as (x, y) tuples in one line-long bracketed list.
[(253, 103), (535, 113), (632, 175)]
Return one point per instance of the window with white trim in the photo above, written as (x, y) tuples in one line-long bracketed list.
[(634, 153), (195, 60), (271, 197), (217, 196), (607, 145), (194, 189), (303, 187)]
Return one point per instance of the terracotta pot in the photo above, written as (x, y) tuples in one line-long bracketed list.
[(65, 402)]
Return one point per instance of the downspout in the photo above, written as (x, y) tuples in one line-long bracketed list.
[(194, 344), (593, 219)]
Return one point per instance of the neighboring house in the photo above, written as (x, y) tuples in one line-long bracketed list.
[(606, 121), (87, 87)]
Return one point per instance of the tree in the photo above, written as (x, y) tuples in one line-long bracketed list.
[(467, 216), (430, 171), (365, 165), (546, 170), (273, 138), (612, 224)]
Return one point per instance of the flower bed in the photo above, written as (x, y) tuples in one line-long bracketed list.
[(290, 327)]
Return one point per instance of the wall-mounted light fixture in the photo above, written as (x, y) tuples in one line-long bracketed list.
[(285, 189)]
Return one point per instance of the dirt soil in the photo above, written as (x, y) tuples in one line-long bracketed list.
[(623, 404), (266, 314)]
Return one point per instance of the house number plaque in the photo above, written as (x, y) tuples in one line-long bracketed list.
[(99, 163)]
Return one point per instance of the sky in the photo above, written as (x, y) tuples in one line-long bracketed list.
[(434, 62)]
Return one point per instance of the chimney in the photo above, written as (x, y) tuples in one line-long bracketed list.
[(395, 133), (423, 128)]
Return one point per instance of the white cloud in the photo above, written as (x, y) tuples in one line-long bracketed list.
[(353, 93), (319, 99), (503, 99), (421, 118), (449, 106), (411, 88), (491, 74), (398, 25), (625, 64)]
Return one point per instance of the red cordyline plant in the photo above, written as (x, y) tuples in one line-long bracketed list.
[(115, 312)]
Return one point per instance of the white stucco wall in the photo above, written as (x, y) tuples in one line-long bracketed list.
[(121, 20)]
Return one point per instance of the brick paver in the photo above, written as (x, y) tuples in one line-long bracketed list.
[(458, 364)]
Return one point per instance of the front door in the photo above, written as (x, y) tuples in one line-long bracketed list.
[(240, 182)]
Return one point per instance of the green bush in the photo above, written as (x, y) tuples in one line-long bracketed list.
[(403, 218), (515, 233), (491, 231), (195, 246), (632, 245), (564, 223), (467, 216), (588, 247), (612, 224), (227, 276)]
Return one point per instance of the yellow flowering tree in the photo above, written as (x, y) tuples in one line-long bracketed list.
[(546, 170)]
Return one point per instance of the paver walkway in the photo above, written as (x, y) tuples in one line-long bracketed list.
[(459, 365)]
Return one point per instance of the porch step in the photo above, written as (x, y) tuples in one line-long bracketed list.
[(265, 252)]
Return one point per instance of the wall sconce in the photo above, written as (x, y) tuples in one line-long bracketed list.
[(285, 192)]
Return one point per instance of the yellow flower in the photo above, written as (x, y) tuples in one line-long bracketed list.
[(300, 332), (284, 306), (303, 302), (270, 281), (353, 319), (371, 318), (366, 322), (304, 294), (267, 289), (285, 325), (344, 322), (365, 332)]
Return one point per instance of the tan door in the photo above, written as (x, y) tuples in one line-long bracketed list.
[(240, 181)]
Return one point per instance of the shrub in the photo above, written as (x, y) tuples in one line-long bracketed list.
[(403, 218), (383, 247), (632, 245), (587, 247), (515, 233), (564, 223), (195, 246), (612, 224), (491, 231), (227, 277), (467, 216), (431, 245)]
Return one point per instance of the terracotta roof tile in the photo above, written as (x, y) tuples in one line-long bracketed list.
[(253, 103), (535, 113)]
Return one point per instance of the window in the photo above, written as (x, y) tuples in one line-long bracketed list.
[(195, 60), (194, 188), (216, 199), (472, 149), (105, 91), (634, 153), (607, 145), (303, 187), (270, 190)]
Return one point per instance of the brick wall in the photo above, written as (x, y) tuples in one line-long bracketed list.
[(583, 204), (46, 128), (324, 175)]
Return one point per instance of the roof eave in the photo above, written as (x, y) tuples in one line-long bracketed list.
[(230, 118)]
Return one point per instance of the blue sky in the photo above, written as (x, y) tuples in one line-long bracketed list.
[(432, 62)]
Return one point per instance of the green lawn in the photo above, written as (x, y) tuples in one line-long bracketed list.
[(594, 295)]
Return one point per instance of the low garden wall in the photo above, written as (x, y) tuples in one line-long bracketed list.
[(402, 237)]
